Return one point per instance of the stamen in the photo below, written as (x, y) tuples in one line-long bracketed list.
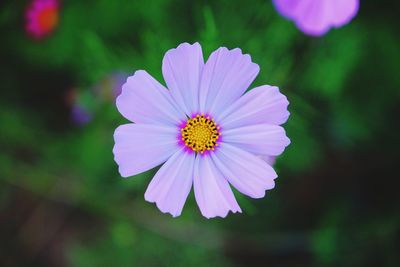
[(201, 133)]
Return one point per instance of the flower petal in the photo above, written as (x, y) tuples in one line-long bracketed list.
[(212, 191), (291, 8), (145, 100), (246, 172), (140, 147), (311, 16), (182, 68), (259, 139), (268, 159), (314, 19), (226, 76), (342, 11), (172, 183), (264, 104)]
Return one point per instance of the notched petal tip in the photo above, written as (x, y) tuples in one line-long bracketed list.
[(187, 44), (166, 211), (235, 50), (222, 215), (152, 199), (278, 90), (270, 187), (285, 102), (286, 139), (239, 52), (184, 45)]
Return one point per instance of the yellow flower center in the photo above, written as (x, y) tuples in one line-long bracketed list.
[(200, 133)]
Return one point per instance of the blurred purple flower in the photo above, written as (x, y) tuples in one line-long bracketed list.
[(316, 17), (206, 130), (80, 115)]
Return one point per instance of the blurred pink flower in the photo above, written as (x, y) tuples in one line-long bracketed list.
[(316, 17), (206, 129), (41, 17)]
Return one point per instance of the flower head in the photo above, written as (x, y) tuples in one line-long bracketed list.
[(41, 17), (316, 17), (206, 130)]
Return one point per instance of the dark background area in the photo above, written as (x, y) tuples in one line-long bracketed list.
[(63, 203)]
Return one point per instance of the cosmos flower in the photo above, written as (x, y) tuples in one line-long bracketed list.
[(317, 17), (207, 130), (41, 17)]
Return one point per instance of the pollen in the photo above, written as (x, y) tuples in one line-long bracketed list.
[(201, 133)]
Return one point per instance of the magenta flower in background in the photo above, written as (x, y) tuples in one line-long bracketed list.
[(41, 17), (209, 133), (316, 17)]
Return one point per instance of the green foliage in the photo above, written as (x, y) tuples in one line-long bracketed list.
[(343, 90)]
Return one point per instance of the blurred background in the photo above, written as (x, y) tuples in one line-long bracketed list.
[(63, 203)]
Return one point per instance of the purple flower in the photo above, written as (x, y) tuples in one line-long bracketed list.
[(206, 130), (316, 17), (80, 115)]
